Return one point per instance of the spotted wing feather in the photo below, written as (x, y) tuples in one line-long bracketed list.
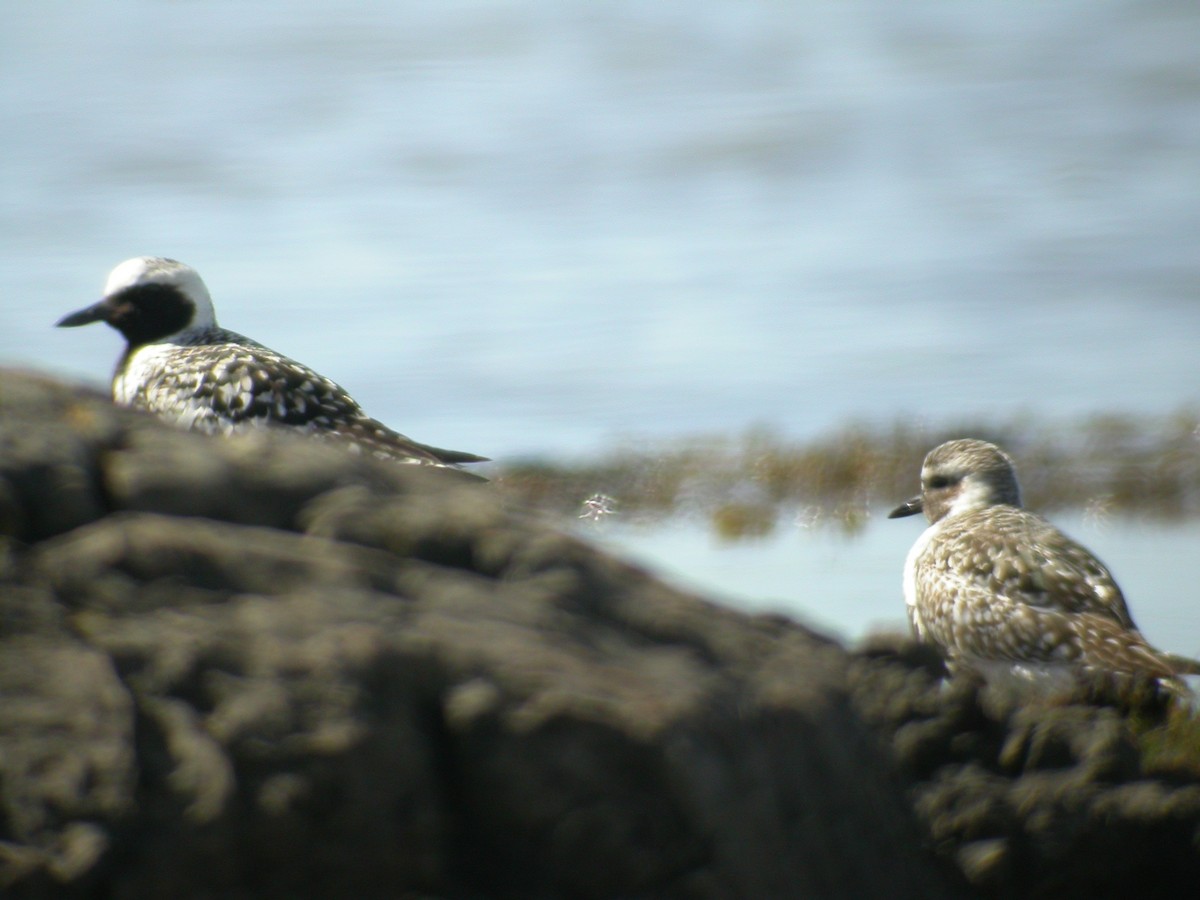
[(1020, 556), (228, 383), (1013, 587)]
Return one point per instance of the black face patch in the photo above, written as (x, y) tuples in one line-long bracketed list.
[(147, 312)]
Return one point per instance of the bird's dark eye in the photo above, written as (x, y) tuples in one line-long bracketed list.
[(939, 481)]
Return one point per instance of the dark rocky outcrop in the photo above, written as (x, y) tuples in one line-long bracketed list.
[(268, 668)]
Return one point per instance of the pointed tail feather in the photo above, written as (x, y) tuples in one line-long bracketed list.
[(1182, 664)]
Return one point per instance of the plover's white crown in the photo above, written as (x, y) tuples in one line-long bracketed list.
[(155, 270), (179, 365), (992, 583)]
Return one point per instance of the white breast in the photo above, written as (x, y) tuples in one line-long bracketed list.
[(157, 378), (910, 579), (145, 366)]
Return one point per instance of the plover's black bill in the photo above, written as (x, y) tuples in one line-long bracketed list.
[(907, 508), (97, 312)]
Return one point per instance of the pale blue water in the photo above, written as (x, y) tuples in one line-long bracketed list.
[(850, 587), (528, 227)]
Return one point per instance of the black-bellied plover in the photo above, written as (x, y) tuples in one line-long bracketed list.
[(179, 365), (1002, 591)]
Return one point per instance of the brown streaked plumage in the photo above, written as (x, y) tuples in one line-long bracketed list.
[(998, 587)]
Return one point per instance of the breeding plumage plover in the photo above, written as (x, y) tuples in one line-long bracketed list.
[(1002, 591), (181, 366)]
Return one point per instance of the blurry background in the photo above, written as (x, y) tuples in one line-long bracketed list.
[(531, 228)]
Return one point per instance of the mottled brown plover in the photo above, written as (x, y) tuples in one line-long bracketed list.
[(1002, 591)]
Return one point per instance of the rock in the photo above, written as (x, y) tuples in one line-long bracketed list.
[(268, 668), (264, 668), (1030, 797)]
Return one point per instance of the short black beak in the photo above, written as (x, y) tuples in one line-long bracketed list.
[(97, 312), (907, 508)]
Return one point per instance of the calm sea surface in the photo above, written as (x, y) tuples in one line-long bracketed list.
[(527, 228), (850, 587)]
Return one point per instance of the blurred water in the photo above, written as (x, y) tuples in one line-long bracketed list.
[(851, 586), (524, 227), (527, 227)]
